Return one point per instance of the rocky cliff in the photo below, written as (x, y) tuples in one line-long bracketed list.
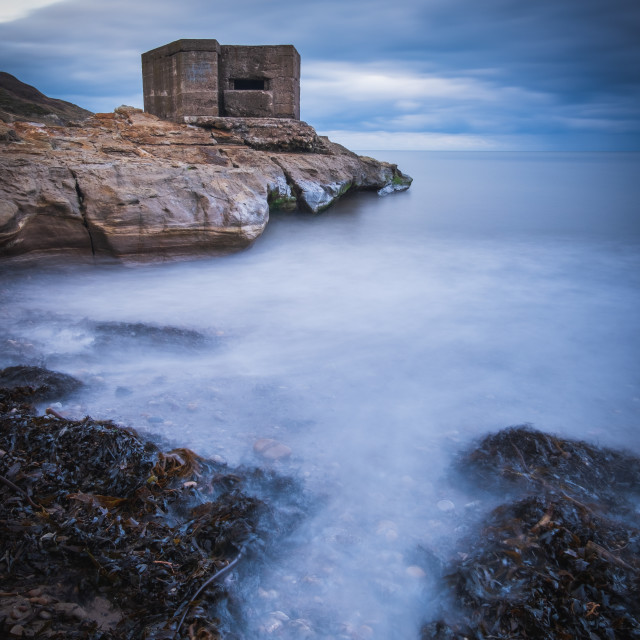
[(128, 184)]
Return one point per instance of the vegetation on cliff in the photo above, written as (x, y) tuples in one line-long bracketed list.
[(20, 101)]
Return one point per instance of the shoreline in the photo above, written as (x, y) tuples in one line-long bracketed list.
[(131, 534)]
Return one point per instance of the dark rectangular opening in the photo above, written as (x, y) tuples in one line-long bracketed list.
[(246, 84)]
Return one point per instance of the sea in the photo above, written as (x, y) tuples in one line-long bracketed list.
[(376, 341)]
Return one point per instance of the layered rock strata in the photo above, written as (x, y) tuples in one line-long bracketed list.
[(128, 184)]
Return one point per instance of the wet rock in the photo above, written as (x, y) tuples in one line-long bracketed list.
[(36, 383), (127, 335)]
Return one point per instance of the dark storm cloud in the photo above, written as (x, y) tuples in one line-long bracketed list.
[(497, 67)]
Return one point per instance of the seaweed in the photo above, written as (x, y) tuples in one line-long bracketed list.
[(105, 536), (561, 559)]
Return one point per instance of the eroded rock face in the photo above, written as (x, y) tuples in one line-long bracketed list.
[(128, 184)]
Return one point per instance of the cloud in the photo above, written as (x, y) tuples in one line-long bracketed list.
[(445, 67), (14, 10), (415, 140)]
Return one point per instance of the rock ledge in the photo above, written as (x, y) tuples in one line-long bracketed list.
[(127, 184)]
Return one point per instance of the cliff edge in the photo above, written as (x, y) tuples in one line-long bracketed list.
[(128, 184)]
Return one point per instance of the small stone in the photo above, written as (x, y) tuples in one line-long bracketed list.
[(45, 615), (71, 610), (17, 631), (385, 525), (271, 449), (365, 631), (446, 505), (415, 571)]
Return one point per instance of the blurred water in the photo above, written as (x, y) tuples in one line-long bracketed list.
[(374, 340)]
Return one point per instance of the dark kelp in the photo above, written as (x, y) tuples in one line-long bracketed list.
[(561, 560), (102, 535)]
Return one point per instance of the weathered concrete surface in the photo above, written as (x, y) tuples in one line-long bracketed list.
[(191, 78), (128, 184)]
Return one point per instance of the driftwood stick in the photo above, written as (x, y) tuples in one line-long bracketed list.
[(214, 577), (609, 556), (524, 464), (15, 487)]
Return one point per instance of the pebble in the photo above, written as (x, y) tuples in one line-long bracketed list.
[(302, 628), (271, 449), (446, 505), (17, 631), (415, 571), (388, 529), (71, 610)]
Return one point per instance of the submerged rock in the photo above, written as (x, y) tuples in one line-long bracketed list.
[(36, 383), (271, 449), (128, 184)]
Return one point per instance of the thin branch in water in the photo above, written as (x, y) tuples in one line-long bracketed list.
[(214, 577)]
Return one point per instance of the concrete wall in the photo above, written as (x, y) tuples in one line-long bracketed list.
[(278, 66), (181, 78), (196, 78)]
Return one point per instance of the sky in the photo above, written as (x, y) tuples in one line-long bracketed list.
[(418, 74)]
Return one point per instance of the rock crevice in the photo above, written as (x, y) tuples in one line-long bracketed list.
[(83, 210)]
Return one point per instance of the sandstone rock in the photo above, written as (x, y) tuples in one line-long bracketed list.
[(128, 184)]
